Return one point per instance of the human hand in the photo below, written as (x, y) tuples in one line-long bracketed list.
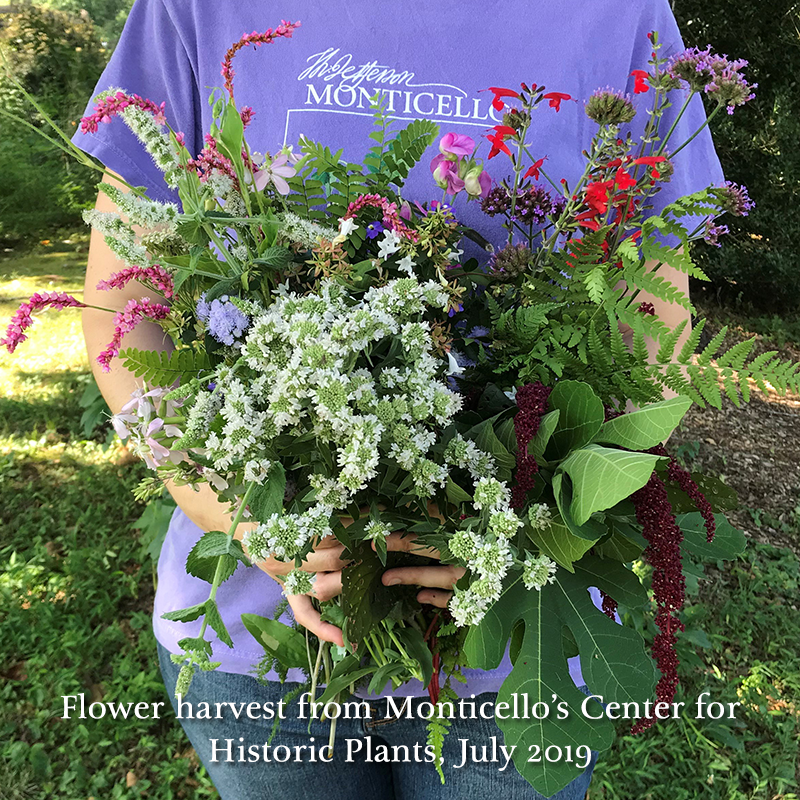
[(437, 580)]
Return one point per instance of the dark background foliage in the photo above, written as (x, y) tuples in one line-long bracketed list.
[(758, 146)]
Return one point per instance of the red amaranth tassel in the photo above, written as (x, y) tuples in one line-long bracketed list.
[(677, 474), (532, 403), (609, 605), (664, 537)]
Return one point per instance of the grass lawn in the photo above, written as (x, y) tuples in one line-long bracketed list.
[(76, 594)]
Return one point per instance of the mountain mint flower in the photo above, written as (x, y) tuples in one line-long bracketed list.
[(538, 571)]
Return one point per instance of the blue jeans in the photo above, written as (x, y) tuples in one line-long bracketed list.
[(374, 768)]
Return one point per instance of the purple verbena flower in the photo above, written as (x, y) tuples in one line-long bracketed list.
[(713, 232)]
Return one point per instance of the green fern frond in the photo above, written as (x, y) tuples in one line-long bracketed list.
[(159, 368)]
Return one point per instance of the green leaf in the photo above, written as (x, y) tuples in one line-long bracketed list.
[(274, 257), (455, 494), (580, 419), (592, 529), (267, 499), (613, 659), (547, 426), (646, 427), (613, 578), (417, 647), (559, 543), (282, 642), (185, 614), (205, 556), (159, 368), (720, 496), (618, 548), (728, 542), (601, 477), (343, 682), (214, 620)]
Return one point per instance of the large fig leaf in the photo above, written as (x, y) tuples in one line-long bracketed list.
[(613, 660)]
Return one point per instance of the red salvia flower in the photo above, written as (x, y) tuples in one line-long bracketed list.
[(556, 98), (533, 170), (499, 93), (641, 86)]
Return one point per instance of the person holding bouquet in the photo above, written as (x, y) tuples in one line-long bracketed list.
[(428, 62)]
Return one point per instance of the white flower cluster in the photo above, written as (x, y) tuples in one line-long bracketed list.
[(119, 237), (309, 355), (538, 571), (304, 231), (141, 210), (489, 556), (154, 138)]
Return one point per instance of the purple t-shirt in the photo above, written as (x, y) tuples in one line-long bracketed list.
[(430, 65)]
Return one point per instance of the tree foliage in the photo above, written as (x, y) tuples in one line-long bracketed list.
[(57, 57), (758, 147)]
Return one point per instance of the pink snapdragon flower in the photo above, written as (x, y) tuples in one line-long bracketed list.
[(23, 318), (155, 275), (125, 321)]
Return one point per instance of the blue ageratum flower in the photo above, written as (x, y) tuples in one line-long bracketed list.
[(223, 320)]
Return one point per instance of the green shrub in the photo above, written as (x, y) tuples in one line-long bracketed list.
[(58, 58), (758, 263)]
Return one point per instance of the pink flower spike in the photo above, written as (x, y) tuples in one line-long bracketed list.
[(125, 321), (23, 318), (156, 276), (285, 29), (454, 146), (110, 106)]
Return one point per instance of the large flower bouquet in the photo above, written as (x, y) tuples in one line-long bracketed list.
[(339, 370)]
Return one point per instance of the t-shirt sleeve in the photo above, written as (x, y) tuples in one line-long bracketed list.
[(151, 60), (697, 166)]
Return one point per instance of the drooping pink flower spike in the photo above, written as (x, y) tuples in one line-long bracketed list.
[(125, 321), (113, 104), (23, 318), (285, 29), (454, 146), (155, 275)]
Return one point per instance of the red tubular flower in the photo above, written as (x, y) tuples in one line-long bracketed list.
[(498, 140), (624, 180), (532, 404), (499, 93), (642, 85), (533, 171), (556, 98)]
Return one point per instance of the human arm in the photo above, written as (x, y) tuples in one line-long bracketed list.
[(199, 503)]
